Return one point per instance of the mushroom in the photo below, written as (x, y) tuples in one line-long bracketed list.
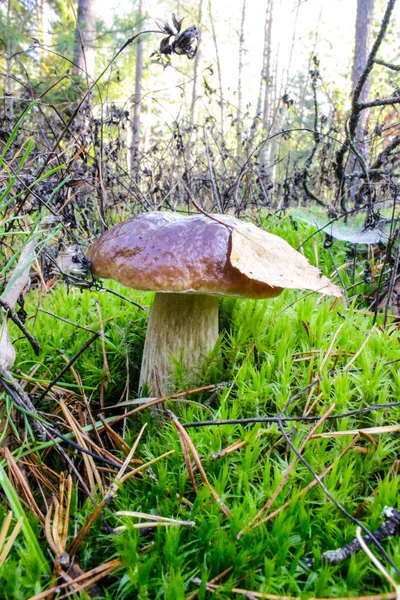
[(189, 261)]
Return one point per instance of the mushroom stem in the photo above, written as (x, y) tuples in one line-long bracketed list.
[(184, 326)]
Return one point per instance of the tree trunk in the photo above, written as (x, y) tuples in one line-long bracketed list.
[(196, 67), (363, 35), (239, 129), (221, 95), (10, 52), (193, 112), (137, 99), (85, 35), (266, 81)]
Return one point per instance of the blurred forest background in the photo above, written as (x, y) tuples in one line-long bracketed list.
[(257, 118)]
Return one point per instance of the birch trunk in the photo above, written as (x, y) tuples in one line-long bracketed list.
[(266, 82), (239, 128), (196, 67), (221, 95), (137, 99), (362, 44)]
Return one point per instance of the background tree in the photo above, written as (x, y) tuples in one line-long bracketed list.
[(137, 98), (239, 123), (196, 64), (85, 36), (266, 86), (362, 45)]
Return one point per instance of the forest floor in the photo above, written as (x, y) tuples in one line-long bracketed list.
[(250, 516)]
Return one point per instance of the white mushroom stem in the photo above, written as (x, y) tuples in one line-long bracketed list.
[(184, 326)]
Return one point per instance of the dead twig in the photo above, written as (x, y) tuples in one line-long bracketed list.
[(390, 527)]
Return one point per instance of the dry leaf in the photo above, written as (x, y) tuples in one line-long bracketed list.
[(18, 281), (265, 257)]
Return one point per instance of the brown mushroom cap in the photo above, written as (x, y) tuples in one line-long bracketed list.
[(219, 255), (168, 252)]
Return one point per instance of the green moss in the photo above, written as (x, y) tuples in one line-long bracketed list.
[(269, 351)]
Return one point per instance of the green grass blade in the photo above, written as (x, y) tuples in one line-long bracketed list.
[(18, 511)]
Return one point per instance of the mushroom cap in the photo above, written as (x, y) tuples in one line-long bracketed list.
[(218, 254)]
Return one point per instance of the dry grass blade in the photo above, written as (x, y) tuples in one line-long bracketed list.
[(3, 534), (110, 494), (16, 471), (310, 486), (83, 581), (18, 280), (187, 442), (146, 465), (252, 594), (366, 432), (212, 587), (57, 523), (357, 354), (188, 462), (157, 401), (213, 580), (377, 563), (116, 438), (130, 456), (158, 520), (235, 446), (155, 524), (91, 469), (253, 523)]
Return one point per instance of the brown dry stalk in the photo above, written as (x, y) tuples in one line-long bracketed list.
[(116, 438), (285, 477), (91, 469), (145, 466), (184, 437), (310, 486), (16, 471), (94, 575), (57, 521), (75, 375), (214, 580), (251, 594), (204, 388), (229, 449), (76, 542), (186, 456), (357, 354), (3, 533), (90, 582), (367, 432)]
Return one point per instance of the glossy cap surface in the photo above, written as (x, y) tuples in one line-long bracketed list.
[(216, 254), (168, 252)]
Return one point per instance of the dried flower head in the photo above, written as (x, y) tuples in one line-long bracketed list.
[(183, 42)]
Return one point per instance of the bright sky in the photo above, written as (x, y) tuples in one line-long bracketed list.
[(323, 27)]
